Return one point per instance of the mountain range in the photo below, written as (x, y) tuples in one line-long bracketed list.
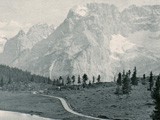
[(96, 39)]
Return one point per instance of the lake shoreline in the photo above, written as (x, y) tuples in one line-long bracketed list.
[(13, 114)]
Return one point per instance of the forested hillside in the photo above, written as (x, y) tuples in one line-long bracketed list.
[(16, 79)]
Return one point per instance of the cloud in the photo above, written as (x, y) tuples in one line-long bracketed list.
[(18, 14), (2, 24), (9, 29), (14, 24)]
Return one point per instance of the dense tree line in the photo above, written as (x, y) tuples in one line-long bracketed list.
[(125, 81), (76, 80), (10, 75)]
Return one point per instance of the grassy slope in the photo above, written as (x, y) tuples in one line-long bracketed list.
[(102, 101), (99, 100), (34, 104)]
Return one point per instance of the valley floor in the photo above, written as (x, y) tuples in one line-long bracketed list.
[(102, 101), (34, 104), (94, 101)]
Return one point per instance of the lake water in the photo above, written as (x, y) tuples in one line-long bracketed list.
[(6, 115)]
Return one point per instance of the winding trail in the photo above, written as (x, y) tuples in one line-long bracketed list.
[(67, 108)]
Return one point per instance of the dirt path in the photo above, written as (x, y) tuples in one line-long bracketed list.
[(67, 108)]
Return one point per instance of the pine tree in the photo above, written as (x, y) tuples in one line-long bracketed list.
[(93, 80), (144, 79), (134, 79), (119, 79), (126, 85), (68, 80), (123, 74), (114, 79), (129, 73), (156, 97), (151, 82), (129, 80), (79, 79), (99, 79), (73, 79), (119, 83), (85, 78), (60, 80), (49, 81)]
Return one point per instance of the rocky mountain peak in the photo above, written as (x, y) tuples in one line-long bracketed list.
[(79, 11), (93, 39), (20, 33), (39, 32), (40, 27)]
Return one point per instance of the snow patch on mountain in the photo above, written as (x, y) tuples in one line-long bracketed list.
[(93, 39), (120, 44), (80, 10)]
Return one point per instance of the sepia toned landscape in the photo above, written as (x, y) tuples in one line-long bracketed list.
[(79, 60)]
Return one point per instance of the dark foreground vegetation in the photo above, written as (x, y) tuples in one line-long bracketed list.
[(14, 79), (128, 97)]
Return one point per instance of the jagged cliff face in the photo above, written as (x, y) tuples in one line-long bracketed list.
[(96, 39), (39, 32), (142, 18), (79, 45), (13, 48), (19, 46)]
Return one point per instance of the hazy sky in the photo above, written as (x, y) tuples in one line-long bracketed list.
[(21, 14)]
